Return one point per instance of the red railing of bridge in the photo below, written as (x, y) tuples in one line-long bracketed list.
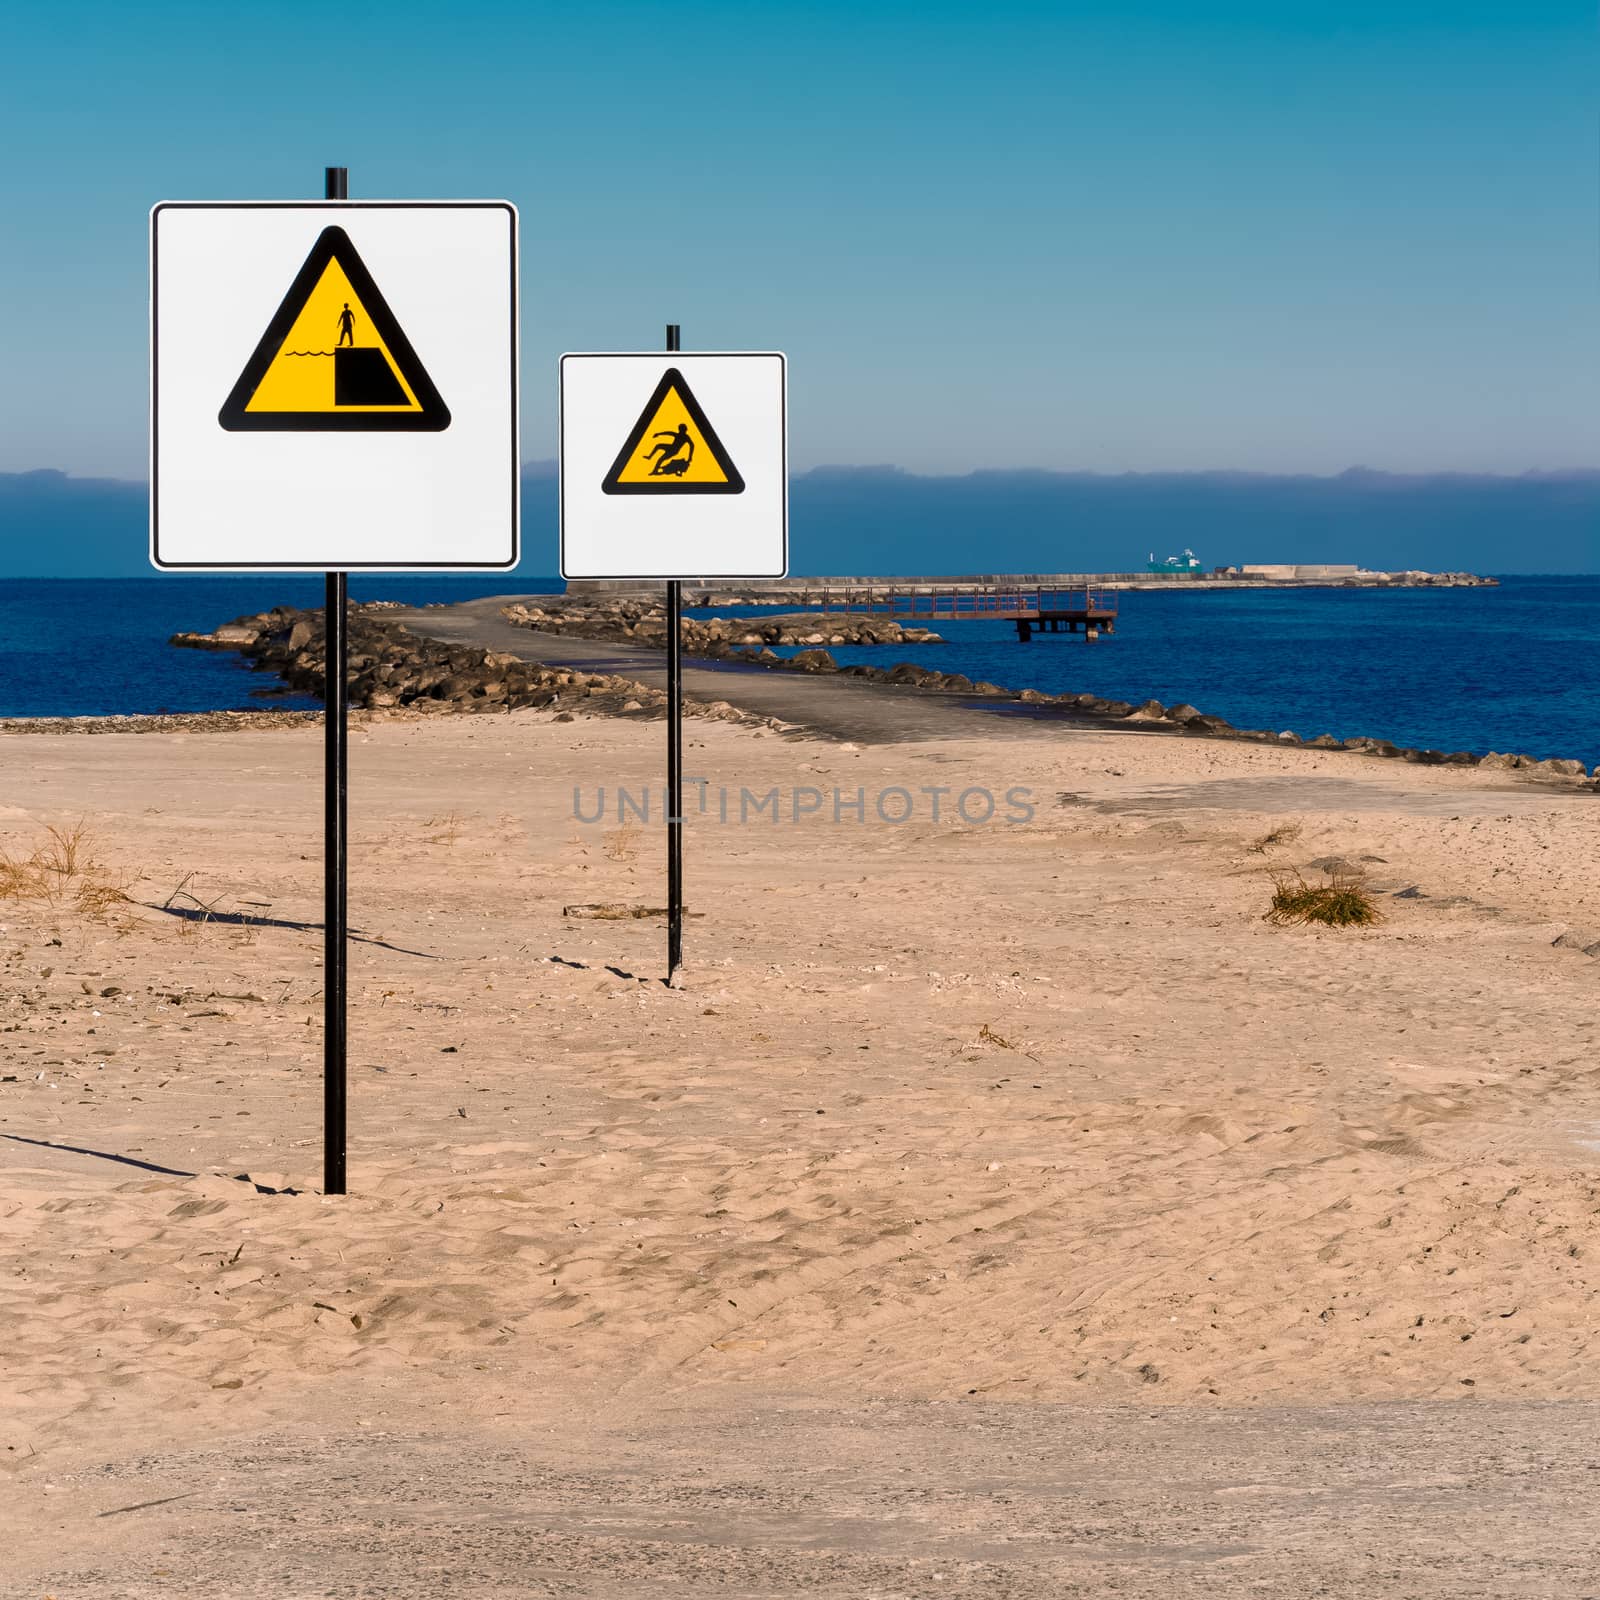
[(956, 604)]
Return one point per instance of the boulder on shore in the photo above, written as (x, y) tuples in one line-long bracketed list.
[(645, 622), (814, 661)]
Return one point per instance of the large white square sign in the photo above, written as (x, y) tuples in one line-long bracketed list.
[(674, 466), (333, 386)]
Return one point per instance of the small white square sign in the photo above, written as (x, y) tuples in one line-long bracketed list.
[(333, 386), (674, 466)]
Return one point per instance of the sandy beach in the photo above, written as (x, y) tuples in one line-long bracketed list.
[(999, 1209)]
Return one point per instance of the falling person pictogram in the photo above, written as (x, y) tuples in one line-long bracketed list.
[(674, 461), (673, 449)]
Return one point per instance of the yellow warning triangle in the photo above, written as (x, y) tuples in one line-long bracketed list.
[(673, 449), (333, 358)]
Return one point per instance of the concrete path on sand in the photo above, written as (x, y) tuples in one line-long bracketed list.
[(827, 703)]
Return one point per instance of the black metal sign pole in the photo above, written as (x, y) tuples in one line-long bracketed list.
[(674, 756), (335, 771)]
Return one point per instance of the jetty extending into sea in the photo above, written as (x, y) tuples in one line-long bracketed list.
[(808, 591), (1032, 607), (1060, 602)]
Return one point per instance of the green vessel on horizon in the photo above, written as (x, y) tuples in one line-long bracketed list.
[(1187, 562)]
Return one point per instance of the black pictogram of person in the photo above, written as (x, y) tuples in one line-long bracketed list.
[(673, 463), (347, 327)]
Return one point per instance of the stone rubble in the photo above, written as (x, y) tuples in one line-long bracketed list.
[(391, 669), (645, 622)]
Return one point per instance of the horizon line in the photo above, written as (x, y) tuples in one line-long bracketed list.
[(548, 467)]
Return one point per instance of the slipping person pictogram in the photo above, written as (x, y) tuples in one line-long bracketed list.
[(672, 449), (674, 462)]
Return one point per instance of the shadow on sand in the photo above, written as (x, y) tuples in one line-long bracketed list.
[(243, 919)]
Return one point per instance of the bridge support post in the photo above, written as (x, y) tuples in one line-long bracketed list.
[(1024, 632)]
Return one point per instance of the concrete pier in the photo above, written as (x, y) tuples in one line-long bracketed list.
[(807, 591)]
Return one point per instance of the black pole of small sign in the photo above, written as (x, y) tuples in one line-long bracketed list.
[(335, 770), (674, 757)]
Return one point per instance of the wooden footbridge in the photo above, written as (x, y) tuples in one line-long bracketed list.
[(1032, 609)]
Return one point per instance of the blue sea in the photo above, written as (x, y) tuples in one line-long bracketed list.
[(1515, 667), (1512, 668), (72, 647)]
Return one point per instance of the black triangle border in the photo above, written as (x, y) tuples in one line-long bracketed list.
[(333, 243), (672, 378)]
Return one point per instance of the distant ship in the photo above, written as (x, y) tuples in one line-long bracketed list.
[(1187, 562)]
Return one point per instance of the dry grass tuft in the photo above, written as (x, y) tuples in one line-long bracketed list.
[(1284, 833), (98, 898), (1341, 902), (62, 871), (621, 844), (449, 829)]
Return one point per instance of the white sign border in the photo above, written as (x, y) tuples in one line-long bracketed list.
[(667, 358), (333, 207)]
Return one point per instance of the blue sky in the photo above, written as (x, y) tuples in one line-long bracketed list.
[(1283, 237)]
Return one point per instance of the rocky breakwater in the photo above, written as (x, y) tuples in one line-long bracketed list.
[(388, 665), (645, 622), (1434, 580), (392, 669)]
